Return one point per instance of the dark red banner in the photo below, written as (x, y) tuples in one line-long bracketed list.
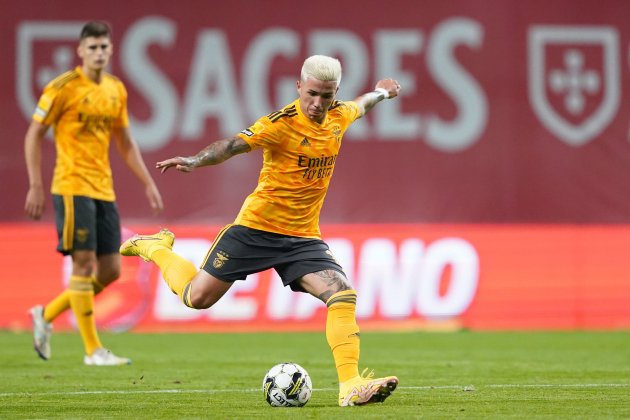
[(510, 111)]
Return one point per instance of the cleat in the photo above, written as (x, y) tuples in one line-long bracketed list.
[(144, 245), (365, 389), (104, 357), (42, 332)]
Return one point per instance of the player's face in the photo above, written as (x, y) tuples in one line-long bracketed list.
[(316, 97), (95, 52)]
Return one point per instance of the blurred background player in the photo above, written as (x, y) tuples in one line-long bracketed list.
[(86, 106), (278, 225)]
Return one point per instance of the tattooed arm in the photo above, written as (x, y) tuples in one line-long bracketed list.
[(213, 154)]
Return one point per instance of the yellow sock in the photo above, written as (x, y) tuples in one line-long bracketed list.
[(342, 333), (81, 293), (61, 303), (57, 306), (177, 271)]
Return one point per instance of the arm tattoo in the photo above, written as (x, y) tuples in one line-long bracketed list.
[(334, 281), (220, 151)]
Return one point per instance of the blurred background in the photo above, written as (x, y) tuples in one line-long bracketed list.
[(492, 194)]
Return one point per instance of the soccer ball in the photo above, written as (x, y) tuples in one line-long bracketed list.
[(287, 385)]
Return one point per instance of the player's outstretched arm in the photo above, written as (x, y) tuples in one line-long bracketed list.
[(384, 89), (215, 153)]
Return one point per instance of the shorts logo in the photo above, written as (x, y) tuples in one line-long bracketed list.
[(82, 235), (220, 259)]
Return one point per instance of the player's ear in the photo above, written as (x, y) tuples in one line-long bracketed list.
[(298, 84)]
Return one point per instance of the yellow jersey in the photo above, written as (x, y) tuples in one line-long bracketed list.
[(299, 157), (83, 114)]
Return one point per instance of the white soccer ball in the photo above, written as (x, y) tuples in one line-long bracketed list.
[(287, 385)]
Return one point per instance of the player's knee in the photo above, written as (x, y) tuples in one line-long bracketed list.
[(200, 299)]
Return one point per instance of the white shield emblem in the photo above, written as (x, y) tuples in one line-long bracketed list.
[(573, 81), (65, 36)]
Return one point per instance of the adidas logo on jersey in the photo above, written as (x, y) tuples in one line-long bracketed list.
[(305, 143)]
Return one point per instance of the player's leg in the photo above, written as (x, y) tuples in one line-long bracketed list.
[(342, 331), (177, 271), (198, 289), (342, 334), (81, 294), (61, 302), (72, 214), (108, 270)]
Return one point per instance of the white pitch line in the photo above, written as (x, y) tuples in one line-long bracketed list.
[(252, 390)]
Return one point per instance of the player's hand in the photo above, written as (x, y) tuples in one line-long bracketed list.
[(183, 164), (155, 199), (34, 206), (390, 85)]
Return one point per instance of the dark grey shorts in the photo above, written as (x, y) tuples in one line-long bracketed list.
[(86, 224), (239, 251)]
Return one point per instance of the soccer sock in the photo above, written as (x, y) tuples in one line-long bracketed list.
[(177, 271), (61, 303), (57, 306), (81, 291), (342, 333)]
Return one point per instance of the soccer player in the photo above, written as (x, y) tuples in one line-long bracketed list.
[(278, 225), (86, 106)]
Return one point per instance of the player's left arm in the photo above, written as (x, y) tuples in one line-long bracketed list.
[(384, 89), (130, 152)]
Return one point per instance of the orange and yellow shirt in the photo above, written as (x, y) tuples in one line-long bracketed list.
[(83, 114), (299, 157)]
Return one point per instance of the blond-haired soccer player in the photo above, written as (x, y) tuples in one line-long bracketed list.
[(86, 106), (278, 225)]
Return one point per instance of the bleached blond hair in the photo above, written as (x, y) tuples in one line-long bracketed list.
[(321, 67)]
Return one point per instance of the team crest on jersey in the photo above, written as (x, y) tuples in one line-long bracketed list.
[(220, 259), (337, 132), (82, 235)]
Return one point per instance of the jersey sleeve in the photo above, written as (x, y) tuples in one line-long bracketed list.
[(260, 135), (49, 105), (352, 111)]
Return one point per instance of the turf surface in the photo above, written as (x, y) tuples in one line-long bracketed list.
[(442, 375)]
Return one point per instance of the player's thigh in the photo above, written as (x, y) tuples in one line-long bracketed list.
[(323, 284), (108, 237), (75, 218), (206, 289)]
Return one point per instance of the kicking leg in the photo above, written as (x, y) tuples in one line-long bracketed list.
[(342, 334)]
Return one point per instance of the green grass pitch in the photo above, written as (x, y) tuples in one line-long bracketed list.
[(499, 375)]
